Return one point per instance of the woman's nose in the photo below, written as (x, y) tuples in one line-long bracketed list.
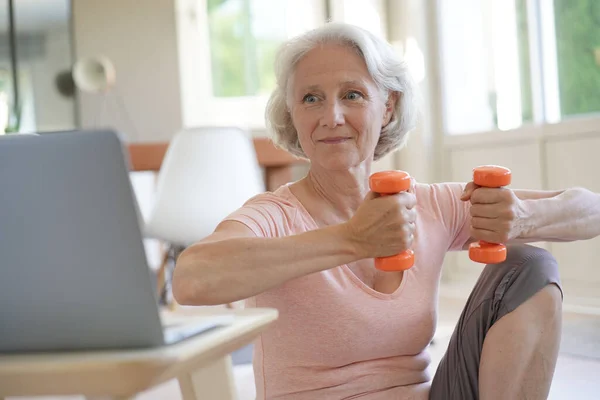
[(333, 115)]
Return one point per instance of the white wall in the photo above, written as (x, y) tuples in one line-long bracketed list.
[(141, 39)]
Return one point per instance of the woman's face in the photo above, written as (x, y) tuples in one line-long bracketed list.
[(337, 108)]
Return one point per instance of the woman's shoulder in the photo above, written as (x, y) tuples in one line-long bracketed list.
[(280, 199), (268, 214)]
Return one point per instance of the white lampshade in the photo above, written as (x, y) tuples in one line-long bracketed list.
[(94, 74)]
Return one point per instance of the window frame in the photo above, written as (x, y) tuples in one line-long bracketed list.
[(199, 105), (546, 108)]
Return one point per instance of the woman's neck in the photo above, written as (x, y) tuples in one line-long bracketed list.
[(333, 196)]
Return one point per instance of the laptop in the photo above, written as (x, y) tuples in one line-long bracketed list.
[(73, 268)]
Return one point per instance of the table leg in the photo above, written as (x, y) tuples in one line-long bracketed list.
[(214, 381)]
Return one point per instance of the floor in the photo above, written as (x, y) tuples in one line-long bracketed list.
[(575, 377)]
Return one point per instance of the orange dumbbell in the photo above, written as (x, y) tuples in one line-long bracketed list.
[(386, 183), (491, 176)]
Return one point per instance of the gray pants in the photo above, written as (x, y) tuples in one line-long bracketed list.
[(500, 289)]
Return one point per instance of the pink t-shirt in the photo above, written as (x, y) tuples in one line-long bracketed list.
[(337, 338)]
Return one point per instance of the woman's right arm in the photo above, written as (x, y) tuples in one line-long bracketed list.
[(233, 264)]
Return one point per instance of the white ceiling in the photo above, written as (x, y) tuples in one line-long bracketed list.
[(36, 15)]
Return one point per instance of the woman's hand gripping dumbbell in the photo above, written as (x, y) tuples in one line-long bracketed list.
[(493, 213), (383, 226), (387, 183)]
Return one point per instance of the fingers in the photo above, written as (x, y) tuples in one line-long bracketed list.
[(491, 211), (408, 200), (468, 191), (385, 224), (491, 224), (408, 235), (410, 215), (483, 195), (490, 236), (371, 195)]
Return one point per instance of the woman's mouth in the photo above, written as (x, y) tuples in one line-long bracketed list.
[(334, 140)]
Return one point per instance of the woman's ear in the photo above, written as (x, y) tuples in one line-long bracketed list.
[(390, 106)]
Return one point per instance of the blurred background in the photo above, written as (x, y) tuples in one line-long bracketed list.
[(509, 82)]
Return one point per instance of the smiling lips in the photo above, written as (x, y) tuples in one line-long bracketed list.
[(334, 140)]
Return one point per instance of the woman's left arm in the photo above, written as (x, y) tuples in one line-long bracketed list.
[(513, 215)]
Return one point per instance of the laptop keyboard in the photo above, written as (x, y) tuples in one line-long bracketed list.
[(177, 331)]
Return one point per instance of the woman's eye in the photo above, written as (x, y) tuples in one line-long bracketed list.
[(310, 99), (353, 95)]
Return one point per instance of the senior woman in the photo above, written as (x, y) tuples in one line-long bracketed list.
[(347, 330)]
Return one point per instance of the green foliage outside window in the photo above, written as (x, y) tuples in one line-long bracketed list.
[(243, 44), (577, 25), (577, 38)]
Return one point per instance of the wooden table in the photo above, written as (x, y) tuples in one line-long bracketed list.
[(202, 364), (277, 163)]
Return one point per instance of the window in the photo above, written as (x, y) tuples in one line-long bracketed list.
[(506, 63), (368, 14), (227, 49), (35, 58), (44, 60), (577, 26), (244, 37)]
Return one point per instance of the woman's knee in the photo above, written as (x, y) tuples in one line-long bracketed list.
[(531, 255), (526, 271)]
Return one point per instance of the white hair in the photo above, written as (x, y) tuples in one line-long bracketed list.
[(388, 71)]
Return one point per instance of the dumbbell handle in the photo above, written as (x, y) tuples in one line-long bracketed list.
[(387, 183), (490, 176)]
